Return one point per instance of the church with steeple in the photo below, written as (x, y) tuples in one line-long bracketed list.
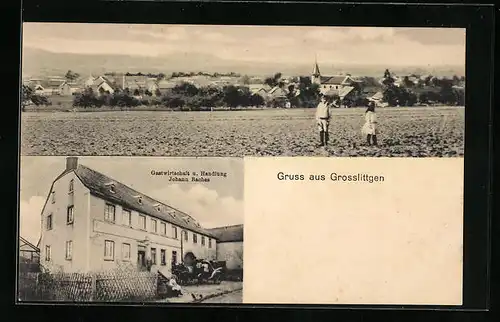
[(341, 85)]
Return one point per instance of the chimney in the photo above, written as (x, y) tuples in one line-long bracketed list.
[(71, 163)]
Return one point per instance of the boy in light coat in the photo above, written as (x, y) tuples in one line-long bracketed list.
[(323, 120)]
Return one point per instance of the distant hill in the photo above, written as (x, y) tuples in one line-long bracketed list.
[(38, 62)]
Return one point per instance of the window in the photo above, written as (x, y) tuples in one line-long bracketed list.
[(47, 253), (210, 243), (49, 222), (112, 188), (126, 251), (109, 213), (195, 238), (139, 200), (70, 215), (53, 196), (109, 250), (174, 257), (71, 199), (126, 217), (154, 225), (202, 240), (142, 222), (174, 232), (71, 186), (163, 228), (163, 257), (185, 235), (69, 249), (153, 256)]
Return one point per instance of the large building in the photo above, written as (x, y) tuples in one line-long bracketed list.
[(230, 245), (340, 85), (91, 222)]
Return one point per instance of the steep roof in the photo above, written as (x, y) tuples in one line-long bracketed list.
[(27, 245), (98, 184), (50, 83), (228, 233), (371, 89), (334, 80), (343, 92), (277, 91), (258, 87), (316, 70)]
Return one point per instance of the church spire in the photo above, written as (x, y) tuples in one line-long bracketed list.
[(316, 75), (316, 68)]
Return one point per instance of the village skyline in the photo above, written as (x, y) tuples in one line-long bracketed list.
[(253, 50)]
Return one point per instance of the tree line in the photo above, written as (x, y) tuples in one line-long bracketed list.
[(299, 93), (431, 90), (188, 96)]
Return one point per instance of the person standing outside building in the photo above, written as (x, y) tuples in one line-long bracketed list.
[(323, 120)]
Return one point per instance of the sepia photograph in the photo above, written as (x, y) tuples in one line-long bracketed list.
[(234, 90), (119, 229)]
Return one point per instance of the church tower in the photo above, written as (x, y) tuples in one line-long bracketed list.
[(316, 75)]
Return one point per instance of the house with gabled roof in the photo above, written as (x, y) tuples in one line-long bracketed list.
[(29, 256), (46, 87), (230, 245), (333, 82), (277, 92), (69, 88), (28, 252), (103, 85), (260, 89), (92, 222)]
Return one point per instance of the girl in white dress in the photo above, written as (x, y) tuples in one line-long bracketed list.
[(370, 127)]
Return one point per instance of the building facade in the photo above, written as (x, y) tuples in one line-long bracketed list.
[(230, 245), (91, 222)]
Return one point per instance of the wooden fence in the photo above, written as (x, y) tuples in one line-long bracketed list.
[(86, 287)]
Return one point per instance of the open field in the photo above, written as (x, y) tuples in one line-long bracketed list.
[(412, 132)]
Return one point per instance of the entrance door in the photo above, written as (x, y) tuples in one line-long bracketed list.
[(141, 258)]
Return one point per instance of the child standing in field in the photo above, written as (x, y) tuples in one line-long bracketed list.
[(323, 120), (370, 127)]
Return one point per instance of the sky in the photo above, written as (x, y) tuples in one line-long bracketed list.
[(213, 204), (267, 44)]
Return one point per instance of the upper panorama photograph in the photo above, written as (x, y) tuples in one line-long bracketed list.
[(234, 91)]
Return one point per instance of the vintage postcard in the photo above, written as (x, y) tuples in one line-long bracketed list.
[(149, 151), (131, 229)]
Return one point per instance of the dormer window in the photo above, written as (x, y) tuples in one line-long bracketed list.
[(158, 207), (139, 199), (111, 187)]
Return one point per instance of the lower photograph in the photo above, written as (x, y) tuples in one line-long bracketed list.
[(122, 229)]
